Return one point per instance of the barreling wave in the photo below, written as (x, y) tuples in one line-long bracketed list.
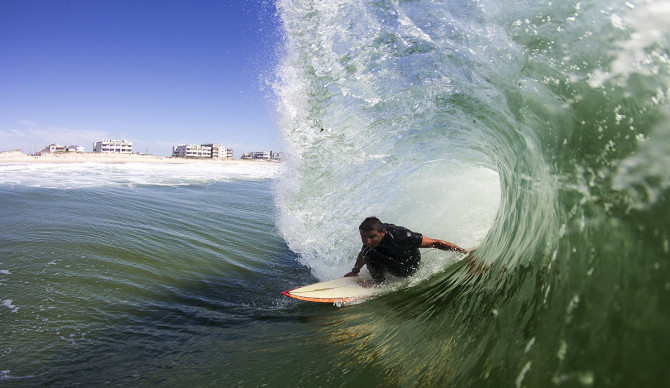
[(535, 131)]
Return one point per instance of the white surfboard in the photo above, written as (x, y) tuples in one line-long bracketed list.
[(340, 290)]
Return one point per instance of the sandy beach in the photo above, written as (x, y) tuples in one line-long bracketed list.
[(18, 157)]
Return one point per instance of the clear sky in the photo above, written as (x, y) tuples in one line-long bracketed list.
[(154, 72)]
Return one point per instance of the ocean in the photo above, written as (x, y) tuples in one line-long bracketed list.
[(536, 132)]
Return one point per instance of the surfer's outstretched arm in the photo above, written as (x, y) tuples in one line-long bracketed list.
[(427, 242), (360, 262)]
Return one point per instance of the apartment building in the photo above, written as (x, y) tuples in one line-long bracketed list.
[(113, 146), (213, 150), (221, 152)]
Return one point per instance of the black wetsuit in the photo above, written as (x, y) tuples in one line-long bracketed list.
[(398, 253)]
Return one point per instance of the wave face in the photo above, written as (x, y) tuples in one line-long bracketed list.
[(537, 131)]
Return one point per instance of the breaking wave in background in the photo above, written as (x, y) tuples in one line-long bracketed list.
[(96, 175)]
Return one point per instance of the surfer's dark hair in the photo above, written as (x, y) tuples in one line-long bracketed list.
[(371, 223)]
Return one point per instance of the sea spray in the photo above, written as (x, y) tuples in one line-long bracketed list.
[(371, 135)]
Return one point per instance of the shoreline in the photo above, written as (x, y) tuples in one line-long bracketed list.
[(18, 157)]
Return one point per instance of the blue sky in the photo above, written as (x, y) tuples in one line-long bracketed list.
[(155, 72)]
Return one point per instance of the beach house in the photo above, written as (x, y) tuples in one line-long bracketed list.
[(52, 149)]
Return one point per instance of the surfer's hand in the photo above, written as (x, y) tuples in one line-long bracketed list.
[(368, 283)]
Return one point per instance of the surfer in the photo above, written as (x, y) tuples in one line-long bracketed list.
[(393, 249)]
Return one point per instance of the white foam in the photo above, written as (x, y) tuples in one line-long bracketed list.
[(81, 175), (645, 174), (458, 206), (649, 25), (8, 303)]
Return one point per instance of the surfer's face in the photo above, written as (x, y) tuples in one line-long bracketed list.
[(372, 238)]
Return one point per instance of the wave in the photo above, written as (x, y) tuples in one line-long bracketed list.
[(89, 175), (535, 131)]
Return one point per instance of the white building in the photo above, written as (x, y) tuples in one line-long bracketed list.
[(114, 146), (262, 155), (221, 152), (216, 151), (53, 148), (192, 151)]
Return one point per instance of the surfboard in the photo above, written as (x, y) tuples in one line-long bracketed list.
[(340, 290)]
